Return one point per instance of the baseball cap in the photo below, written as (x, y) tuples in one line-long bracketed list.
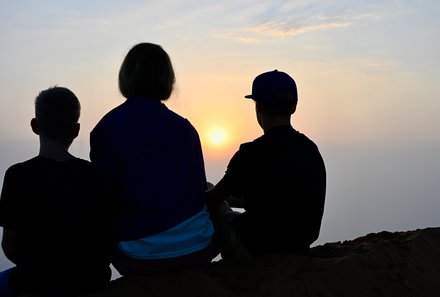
[(268, 84)]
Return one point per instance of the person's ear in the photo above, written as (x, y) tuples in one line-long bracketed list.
[(293, 109), (258, 108), (75, 130), (34, 126)]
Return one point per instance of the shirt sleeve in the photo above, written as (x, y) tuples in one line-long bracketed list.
[(10, 214)]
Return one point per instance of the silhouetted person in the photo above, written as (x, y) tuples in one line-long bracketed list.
[(51, 210), (152, 161), (279, 179)]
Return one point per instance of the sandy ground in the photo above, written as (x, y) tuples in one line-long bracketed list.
[(380, 264)]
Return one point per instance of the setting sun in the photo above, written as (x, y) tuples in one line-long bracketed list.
[(217, 136)]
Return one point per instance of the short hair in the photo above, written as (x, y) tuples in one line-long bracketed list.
[(281, 104), (57, 110), (146, 71)]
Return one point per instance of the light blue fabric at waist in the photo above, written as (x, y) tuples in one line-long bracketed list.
[(188, 237)]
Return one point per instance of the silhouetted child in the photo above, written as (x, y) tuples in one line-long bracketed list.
[(279, 179), (52, 210)]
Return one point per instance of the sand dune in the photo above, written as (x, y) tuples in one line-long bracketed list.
[(378, 264)]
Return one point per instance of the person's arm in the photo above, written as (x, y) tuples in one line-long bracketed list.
[(11, 213), (10, 244), (235, 202), (216, 194), (219, 193)]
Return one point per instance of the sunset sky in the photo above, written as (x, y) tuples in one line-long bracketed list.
[(367, 74)]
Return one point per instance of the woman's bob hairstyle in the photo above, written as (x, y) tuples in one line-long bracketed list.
[(146, 72)]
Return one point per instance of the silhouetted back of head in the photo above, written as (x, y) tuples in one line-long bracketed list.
[(281, 104), (57, 110), (275, 92), (147, 71)]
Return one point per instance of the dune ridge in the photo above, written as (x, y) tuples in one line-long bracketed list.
[(377, 264)]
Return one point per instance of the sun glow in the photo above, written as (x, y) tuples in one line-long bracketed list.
[(217, 136)]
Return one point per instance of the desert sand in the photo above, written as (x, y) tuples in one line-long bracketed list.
[(378, 264)]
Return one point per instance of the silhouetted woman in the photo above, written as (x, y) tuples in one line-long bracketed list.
[(152, 160)]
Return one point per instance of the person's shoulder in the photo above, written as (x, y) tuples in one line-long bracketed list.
[(303, 138), (83, 171), (112, 116), (23, 166), (245, 146), (247, 150), (82, 165), (256, 145), (309, 147), (183, 124), (82, 162), (178, 118)]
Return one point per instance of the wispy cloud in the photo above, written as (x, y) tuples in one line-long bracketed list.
[(287, 20), (283, 29), (254, 35), (238, 36)]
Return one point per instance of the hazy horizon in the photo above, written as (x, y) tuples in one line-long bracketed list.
[(397, 192)]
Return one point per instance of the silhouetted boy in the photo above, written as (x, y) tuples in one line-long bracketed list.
[(279, 179), (51, 209)]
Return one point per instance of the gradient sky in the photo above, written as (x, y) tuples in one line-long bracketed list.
[(367, 73)]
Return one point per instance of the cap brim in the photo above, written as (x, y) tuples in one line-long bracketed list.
[(248, 96)]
